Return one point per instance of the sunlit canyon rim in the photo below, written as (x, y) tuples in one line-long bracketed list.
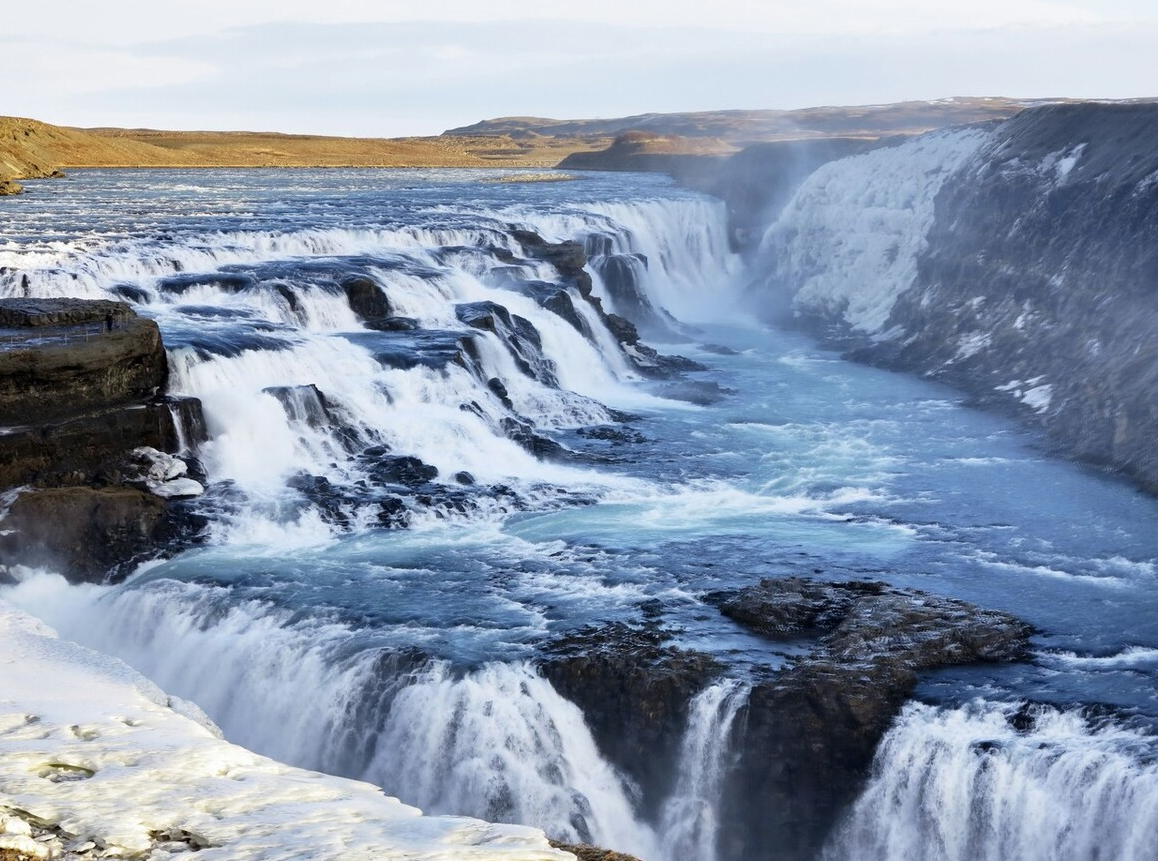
[(555, 504)]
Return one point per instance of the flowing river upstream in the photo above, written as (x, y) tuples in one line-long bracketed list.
[(401, 519)]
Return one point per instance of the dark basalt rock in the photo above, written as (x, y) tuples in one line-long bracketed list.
[(78, 386), (393, 324), (227, 282), (540, 446), (560, 303), (517, 334), (92, 449), (634, 690), (811, 731), (67, 356), (405, 470), (83, 532), (367, 299), (804, 743), (568, 258), (500, 391)]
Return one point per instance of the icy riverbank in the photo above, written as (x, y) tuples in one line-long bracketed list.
[(102, 764)]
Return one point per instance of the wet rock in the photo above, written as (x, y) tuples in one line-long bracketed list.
[(568, 258), (540, 446), (80, 531), (367, 299), (592, 853), (393, 324), (560, 303), (811, 731), (634, 690), (402, 469), (517, 334), (500, 391)]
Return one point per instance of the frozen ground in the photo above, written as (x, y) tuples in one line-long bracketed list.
[(98, 762)]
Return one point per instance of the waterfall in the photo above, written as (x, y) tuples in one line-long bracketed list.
[(499, 743), (968, 785), (691, 817), (496, 742)]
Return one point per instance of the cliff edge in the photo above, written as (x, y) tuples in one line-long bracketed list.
[(1017, 261), (84, 426)]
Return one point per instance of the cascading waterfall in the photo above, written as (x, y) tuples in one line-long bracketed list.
[(408, 657), (501, 744), (496, 742), (967, 785), (691, 817)]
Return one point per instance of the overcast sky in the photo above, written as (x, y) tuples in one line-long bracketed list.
[(386, 68)]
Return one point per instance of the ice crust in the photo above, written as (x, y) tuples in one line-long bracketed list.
[(95, 751), (847, 243)]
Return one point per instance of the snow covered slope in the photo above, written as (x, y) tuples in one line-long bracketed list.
[(98, 763)]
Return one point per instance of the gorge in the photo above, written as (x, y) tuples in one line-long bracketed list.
[(530, 501)]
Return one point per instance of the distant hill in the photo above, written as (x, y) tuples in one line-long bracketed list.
[(743, 127), (31, 149)]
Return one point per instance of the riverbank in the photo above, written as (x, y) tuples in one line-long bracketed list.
[(77, 748)]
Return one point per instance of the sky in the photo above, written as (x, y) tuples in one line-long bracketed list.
[(382, 68)]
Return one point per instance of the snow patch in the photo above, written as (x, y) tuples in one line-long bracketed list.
[(1065, 161), (972, 344), (1033, 393), (1038, 398)]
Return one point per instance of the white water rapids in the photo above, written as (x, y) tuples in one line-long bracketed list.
[(408, 657)]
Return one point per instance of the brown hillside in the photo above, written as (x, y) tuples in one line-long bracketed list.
[(30, 149)]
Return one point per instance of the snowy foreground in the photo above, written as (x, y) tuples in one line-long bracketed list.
[(98, 762)]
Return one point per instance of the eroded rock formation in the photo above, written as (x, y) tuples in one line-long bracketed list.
[(81, 388)]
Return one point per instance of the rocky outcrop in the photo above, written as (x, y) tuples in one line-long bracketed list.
[(584, 852), (811, 730), (634, 689), (10, 187), (84, 531), (803, 745), (63, 357), (81, 395)]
